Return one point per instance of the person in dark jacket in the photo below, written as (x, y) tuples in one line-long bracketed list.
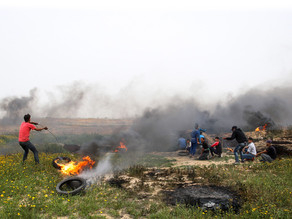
[(269, 154), (205, 150), (241, 139)]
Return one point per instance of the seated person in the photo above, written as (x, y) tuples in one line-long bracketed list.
[(249, 151), (189, 144), (205, 150), (182, 143), (269, 154), (216, 148)]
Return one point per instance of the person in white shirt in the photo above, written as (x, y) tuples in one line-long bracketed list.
[(189, 144), (250, 150)]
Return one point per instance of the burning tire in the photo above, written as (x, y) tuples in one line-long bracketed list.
[(183, 153), (71, 186), (59, 159)]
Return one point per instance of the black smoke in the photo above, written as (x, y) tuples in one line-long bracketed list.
[(158, 127), (15, 108)]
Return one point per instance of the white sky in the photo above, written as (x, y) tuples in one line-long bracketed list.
[(220, 47)]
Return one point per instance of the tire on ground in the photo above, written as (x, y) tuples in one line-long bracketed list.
[(183, 153), (55, 161), (77, 184)]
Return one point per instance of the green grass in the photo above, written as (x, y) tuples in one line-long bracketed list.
[(28, 191)]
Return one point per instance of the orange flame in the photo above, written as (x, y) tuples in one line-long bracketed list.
[(121, 146), (261, 128), (72, 168)]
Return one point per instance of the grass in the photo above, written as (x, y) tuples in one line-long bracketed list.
[(28, 191)]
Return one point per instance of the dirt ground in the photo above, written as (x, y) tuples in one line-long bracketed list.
[(187, 161)]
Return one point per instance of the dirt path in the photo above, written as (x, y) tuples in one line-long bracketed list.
[(187, 161)]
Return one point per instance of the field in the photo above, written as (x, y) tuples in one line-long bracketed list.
[(28, 191), (138, 189), (61, 126)]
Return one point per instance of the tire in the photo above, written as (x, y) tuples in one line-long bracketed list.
[(183, 153), (77, 184), (55, 161)]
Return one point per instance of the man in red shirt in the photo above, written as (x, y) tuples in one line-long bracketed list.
[(23, 138), (216, 148)]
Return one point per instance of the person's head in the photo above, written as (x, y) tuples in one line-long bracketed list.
[(250, 140), (196, 126), (202, 139), (233, 128), (188, 140), (26, 118), (269, 143), (217, 139)]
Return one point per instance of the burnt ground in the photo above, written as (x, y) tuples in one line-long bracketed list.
[(205, 197), (176, 186)]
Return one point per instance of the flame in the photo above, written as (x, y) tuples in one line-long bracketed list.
[(261, 128), (73, 168), (121, 146)]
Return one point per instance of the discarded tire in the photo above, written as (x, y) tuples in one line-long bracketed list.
[(71, 186), (56, 160), (183, 153)]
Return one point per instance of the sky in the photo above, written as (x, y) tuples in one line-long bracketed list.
[(152, 48)]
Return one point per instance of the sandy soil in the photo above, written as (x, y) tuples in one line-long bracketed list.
[(187, 161)]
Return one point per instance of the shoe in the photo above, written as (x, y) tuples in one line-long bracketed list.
[(242, 161), (236, 163)]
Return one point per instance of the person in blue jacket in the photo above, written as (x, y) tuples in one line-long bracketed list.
[(182, 143), (195, 138)]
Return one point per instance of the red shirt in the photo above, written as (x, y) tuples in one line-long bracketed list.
[(24, 131), (215, 144)]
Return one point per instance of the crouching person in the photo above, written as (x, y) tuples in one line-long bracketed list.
[(269, 154), (248, 152), (216, 148), (205, 150)]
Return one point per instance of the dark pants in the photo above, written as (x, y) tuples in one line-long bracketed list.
[(215, 151), (29, 146), (193, 148), (204, 156), (266, 157)]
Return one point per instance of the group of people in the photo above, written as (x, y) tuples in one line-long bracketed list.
[(245, 148), (197, 138)]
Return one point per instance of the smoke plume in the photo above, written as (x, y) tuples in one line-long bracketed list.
[(14, 108), (156, 127)]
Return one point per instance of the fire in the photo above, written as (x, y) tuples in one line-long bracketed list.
[(261, 128), (73, 168), (121, 146)]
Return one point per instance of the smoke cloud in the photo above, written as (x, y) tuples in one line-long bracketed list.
[(103, 167), (14, 108), (156, 127)]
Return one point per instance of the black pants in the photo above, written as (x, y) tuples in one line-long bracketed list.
[(29, 146), (204, 156), (215, 151)]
